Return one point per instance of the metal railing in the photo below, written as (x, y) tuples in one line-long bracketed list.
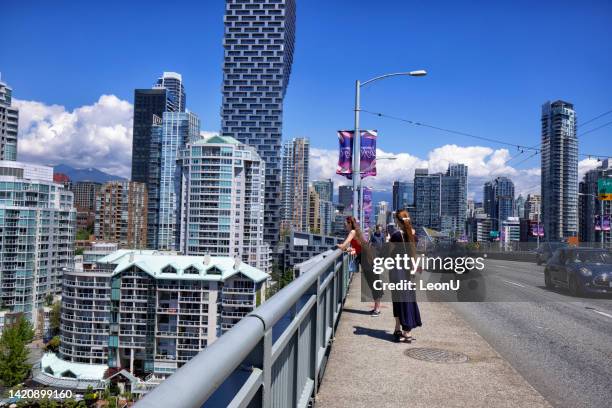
[(275, 356)]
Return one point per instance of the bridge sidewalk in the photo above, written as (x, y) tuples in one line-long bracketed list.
[(367, 369)]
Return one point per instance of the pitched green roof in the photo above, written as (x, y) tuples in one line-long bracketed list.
[(217, 139), (154, 263)]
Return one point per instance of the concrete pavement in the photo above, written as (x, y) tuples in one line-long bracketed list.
[(367, 369)]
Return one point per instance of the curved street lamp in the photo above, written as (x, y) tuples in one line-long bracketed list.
[(357, 194)]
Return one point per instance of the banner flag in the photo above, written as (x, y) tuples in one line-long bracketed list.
[(368, 153), (367, 207), (602, 223), (345, 157), (537, 230), (605, 226)]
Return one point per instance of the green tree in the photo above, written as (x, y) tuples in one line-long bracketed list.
[(90, 397), (70, 403), (53, 344), (82, 235), (78, 251), (49, 299), (55, 318), (24, 329), (14, 367)]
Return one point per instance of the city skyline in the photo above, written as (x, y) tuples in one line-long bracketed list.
[(106, 120)]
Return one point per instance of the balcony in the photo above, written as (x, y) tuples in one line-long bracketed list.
[(294, 326), (231, 290)]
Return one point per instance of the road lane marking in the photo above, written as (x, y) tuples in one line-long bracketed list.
[(602, 313), (513, 283)]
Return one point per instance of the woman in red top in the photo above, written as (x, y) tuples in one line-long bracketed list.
[(355, 241)]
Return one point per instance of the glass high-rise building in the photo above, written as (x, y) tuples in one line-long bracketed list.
[(167, 95), (499, 200), (454, 199), (169, 136), (325, 189), (259, 39), (559, 172), (440, 199), (37, 231), (345, 197), (9, 122), (294, 185), (223, 202), (403, 195), (427, 198), (173, 83)]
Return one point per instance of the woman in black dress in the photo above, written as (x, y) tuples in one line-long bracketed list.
[(405, 308)]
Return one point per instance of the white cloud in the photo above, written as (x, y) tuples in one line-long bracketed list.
[(100, 135), (484, 163), (585, 165), (97, 135)]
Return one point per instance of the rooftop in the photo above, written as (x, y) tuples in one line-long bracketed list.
[(217, 140), (183, 267)]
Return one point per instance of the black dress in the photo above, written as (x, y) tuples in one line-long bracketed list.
[(404, 302)]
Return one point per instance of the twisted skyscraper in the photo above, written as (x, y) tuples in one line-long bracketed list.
[(258, 42)]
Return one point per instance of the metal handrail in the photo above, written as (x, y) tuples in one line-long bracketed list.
[(273, 357)]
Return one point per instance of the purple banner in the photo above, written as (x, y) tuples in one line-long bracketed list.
[(367, 207), (537, 230), (368, 153), (606, 223), (345, 157)]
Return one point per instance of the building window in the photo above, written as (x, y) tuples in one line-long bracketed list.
[(169, 269)]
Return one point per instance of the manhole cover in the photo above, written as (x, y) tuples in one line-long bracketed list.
[(434, 355)]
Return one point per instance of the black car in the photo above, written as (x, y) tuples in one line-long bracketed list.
[(580, 270), (546, 250)]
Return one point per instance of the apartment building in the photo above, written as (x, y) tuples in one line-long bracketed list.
[(37, 230), (150, 312)]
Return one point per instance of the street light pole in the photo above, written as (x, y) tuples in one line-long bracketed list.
[(601, 217), (356, 151), (357, 159)]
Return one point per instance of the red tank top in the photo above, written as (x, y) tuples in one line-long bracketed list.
[(356, 246)]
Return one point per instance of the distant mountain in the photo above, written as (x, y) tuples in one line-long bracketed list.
[(89, 174)]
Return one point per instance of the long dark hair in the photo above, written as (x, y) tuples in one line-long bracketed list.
[(404, 221), (355, 227)]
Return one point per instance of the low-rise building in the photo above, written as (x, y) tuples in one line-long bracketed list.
[(150, 312), (301, 246)]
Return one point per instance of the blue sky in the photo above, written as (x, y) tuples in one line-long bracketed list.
[(491, 64)]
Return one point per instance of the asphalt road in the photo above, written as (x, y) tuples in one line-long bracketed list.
[(560, 344)]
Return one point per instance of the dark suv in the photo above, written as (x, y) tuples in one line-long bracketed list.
[(580, 270)]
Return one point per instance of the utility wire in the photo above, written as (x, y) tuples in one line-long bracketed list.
[(595, 118), (524, 160), (597, 128), (488, 139)]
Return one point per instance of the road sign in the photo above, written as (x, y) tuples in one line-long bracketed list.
[(604, 189)]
